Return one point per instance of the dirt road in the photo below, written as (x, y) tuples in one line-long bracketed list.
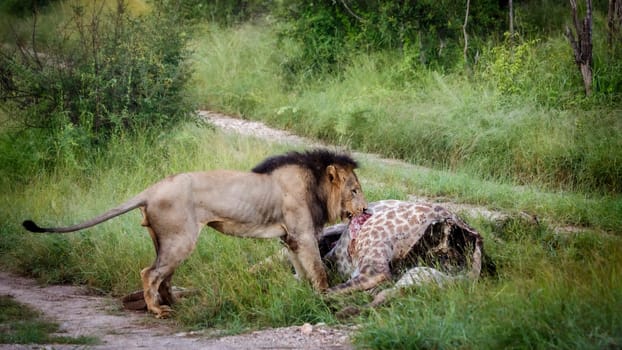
[(80, 313)]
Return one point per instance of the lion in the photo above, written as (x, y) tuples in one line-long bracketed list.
[(291, 196)]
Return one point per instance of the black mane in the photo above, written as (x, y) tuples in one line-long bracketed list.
[(314, 160)]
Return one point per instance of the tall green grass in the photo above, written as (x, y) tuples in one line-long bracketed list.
[(548, 294), (230, 76), (557, 208), (518, 118)]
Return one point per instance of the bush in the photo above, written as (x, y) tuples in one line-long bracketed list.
[(223, 12), (22, 8), (105, 71), (328, 30)]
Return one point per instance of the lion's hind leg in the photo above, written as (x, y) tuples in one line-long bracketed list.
[(172, 249), (156, 288), (151, 295)]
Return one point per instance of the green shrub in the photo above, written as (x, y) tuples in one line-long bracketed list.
[(22, 8), (330, 33), (223, 12), (105, 71)]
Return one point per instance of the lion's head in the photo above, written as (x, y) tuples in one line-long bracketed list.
[(345, 198), (334, 190)]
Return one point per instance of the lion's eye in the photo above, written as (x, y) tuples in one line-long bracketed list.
[(354, 192)]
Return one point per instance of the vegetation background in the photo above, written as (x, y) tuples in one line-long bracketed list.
[(97, 101)]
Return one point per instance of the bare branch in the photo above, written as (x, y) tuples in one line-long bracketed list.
[(582, 43), (464, 32), (350, 11), (614, 22), (34, 36), (511, 15)]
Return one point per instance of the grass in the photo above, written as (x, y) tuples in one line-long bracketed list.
[(549, 293), (532, 127), (22, 325), (549, 289), (52, 16), (557, 208)]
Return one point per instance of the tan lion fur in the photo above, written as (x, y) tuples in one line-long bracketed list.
[(290, 196)]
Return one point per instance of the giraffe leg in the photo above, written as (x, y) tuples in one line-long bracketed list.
[(364, 281)]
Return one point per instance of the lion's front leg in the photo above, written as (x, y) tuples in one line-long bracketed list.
[(305, 256)]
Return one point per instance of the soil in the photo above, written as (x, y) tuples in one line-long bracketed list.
[(81, 313)]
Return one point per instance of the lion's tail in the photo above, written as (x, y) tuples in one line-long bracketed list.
[(131, 204)]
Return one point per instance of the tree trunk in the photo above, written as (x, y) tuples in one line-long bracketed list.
[(464, 32), (582, 44), (511, 20), (614, 22)]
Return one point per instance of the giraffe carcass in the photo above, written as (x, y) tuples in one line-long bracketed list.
[(413, 243)]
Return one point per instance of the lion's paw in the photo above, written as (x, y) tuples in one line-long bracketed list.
[(164, 312)]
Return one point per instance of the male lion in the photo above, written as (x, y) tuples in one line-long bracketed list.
[(290, 196)]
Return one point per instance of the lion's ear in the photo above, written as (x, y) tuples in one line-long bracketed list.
[(333, 176)]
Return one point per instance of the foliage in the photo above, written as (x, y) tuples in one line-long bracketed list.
[(510, 66), (537, 18), (103, 71), (519, 117), (223, 12), (238, 69), (328, 30), (514, 132), (22, 8), (321, 34)]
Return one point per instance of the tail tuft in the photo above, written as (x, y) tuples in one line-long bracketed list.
[(32, 227)]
